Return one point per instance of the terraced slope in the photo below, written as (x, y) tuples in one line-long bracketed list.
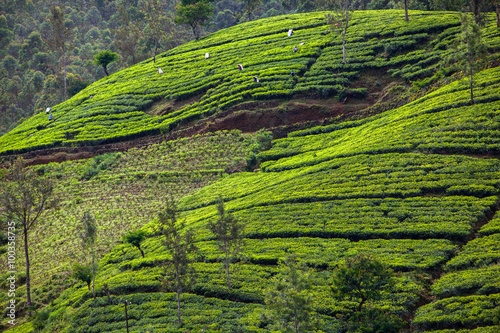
[(123, 191), (396, 186), (139, 101)]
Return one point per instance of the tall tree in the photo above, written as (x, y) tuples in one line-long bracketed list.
[(160, 27), (290, 300), (89, 236), (195, 13), (179, 244), (25, 197), (339, 19), (469, 49), (249, 6), (496, 4), (104, 58), (229, 235), (61, 39), (127, 37)]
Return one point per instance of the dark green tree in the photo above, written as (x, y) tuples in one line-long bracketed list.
[(104, 58), (496, 4), (83, 273), (228, 232), (89, 236), (61, 39), (135, 238), (195, 13), (25, 197), (10, 64), (179, 243), (289, 298), (359, 280), (5, 33), (249, 7)]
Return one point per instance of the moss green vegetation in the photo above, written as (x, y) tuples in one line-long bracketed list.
[(409, 187), (119, 107), (408, 207), (124, 191)]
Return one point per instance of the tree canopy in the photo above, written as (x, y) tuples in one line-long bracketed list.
[(195, 13), (104, 58)]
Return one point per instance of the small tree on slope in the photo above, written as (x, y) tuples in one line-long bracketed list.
[(469, 50), (360, 280), (135, 238), (88, 236), (179, 244), (25, 198), (290, 300), (339, 19), (229, 234), (104, 58)]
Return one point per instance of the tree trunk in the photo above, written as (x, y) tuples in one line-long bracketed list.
[(179, 290), (497, 10), (406, 10), (296, 323), (126, 316), (93, 275), (195, 31), (28, 282), (154, 57), (142, 252), (344, 32), (106, 289), (343, 47), (476, 4), (105, 70), (179, 307), (471, 88), (65, 78), (360, 306), (227, 269)]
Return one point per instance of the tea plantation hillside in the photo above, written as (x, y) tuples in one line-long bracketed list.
[(415, 187), (123, 191), (139, 101)]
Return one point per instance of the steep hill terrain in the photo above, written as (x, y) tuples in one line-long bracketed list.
[(340, 192), (139, 101), (415, 187)]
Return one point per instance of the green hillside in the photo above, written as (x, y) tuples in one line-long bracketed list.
[(139, 101), (398, 201), (416, 187)]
